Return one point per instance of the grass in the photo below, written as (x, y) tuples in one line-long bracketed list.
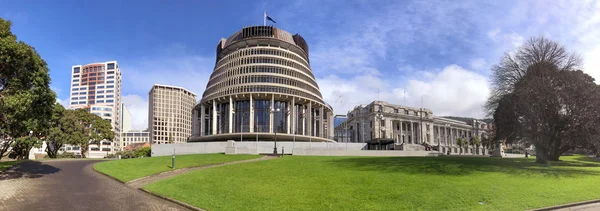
[(7, 164), (387, 183), (129, 169)]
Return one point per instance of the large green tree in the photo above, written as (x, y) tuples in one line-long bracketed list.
[(25, 96), (540, 97), (94, 130)]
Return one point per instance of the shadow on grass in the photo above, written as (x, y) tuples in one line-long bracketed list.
[(465, 166), (28, 169)]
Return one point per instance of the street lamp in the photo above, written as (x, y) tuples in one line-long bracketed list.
[(275, 146)]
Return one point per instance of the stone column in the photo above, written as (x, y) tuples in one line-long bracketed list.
[(230, 115), (321, 122), (309, 117), (303, 120), (412, 133), (331, 125), (293, 120), (202, 123), (401, 131), (251, 119), (272, 114), (194, 125), (214, 117)]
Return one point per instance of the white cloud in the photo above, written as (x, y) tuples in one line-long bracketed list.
[(177, 67), (452, 91), (138, 107), (477, 64), (493, 34)]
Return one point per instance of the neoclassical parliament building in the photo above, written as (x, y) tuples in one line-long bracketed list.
[(389, 126)]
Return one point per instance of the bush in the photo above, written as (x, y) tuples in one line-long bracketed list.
[(126, 154), (111, 156), (143, 152), (66, 155)]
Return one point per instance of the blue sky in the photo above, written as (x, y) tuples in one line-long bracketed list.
[(360, 51)]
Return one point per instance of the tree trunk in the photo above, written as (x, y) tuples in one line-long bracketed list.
[(540, 156), (83, 151)]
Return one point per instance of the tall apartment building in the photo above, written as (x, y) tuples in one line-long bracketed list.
[(96, 88), (170, 114)]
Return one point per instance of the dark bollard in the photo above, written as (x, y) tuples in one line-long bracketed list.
[(282, 151)]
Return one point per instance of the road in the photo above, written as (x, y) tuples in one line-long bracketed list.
[(70, 185)]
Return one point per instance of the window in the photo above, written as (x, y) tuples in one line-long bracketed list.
[(83, 88), (92, 74), (81, 93), (107, 109), (75, 89), (110, 86), (81, 102), (91, 92), (73, 103), (99, 101), (110, 77), (371, 124), (110, 66), (75, 80), (100, 91), (395, 110), (110, 96), (110, 91), (96, 108), (110, 82), (110, 101), (76, 76), (76, 70), (110, 72), (82, 98), (100, 87), (100, 96), (107, 114), (74, 98)]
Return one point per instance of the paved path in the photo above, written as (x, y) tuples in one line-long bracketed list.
[(141, 182), (70, 185)]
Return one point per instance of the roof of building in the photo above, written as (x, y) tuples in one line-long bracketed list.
[(176, 87)]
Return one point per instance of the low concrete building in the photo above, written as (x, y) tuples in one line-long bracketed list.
[(396, 127)]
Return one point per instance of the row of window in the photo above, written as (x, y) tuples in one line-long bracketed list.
[(263, 79), (262, 88), (260, 51), (261, 69), (264, 60), (101, 109), (91, 102)]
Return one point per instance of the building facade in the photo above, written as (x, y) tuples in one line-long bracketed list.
[(170, 114), (133, 137), (96, 88), (397, 127), (125, 119), (262, 88)]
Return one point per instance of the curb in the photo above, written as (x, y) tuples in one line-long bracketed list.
[(115, 179), (186, 205), (567, 205)]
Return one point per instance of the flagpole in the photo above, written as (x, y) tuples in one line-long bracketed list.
[(265, 19)]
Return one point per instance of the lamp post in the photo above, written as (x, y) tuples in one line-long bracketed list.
[(275, 143)]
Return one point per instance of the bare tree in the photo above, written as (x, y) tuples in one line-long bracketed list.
[(539, 98)]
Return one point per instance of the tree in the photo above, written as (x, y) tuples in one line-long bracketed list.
[(56, 137), (94, 129), (476, 143), (461, 143), (25, 96), (539, 97)]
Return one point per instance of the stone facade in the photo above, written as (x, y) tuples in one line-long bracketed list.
[(406, 128)]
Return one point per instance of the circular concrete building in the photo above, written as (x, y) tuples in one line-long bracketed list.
[(262, 89)]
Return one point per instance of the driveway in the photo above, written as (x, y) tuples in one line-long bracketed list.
[(70, 185)]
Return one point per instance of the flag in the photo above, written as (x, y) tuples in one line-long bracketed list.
[(269, 18)]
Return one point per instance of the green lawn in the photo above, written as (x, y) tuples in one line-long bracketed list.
[(129, 169), (6, 164), (387, 183)]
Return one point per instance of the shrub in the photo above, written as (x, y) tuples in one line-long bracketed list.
[(144, 151), (111, 156), (126, 154), (66, 155)]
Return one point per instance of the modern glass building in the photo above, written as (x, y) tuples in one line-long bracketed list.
[(262, 89)]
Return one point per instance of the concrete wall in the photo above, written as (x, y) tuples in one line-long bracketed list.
[(188, 148)]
